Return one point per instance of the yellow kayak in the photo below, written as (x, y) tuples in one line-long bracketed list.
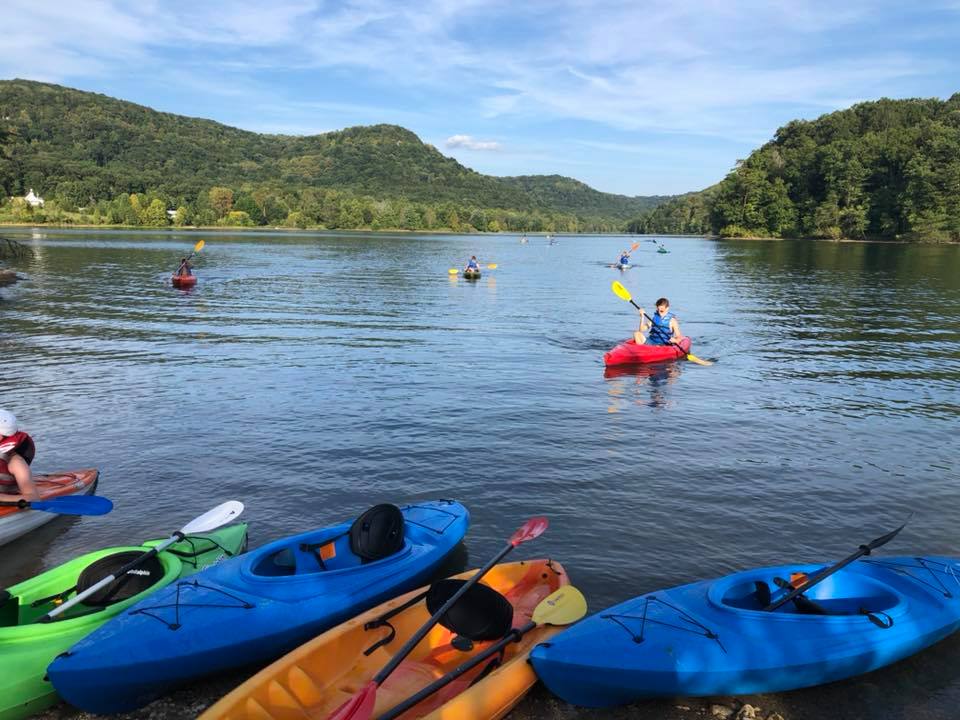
[(319, 676)]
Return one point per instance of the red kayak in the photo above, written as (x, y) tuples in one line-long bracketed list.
[(183, 281), (628, 352)]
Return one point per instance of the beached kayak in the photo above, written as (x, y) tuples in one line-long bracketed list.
[(471, 275), (183, 281), (629, 352), (28, 647), (255, 608), (316, 678), (15, 522), (714, 638)]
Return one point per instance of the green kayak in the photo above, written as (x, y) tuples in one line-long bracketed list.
[(28, 647)]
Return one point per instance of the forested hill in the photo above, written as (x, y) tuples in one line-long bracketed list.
[(883, 170), (85, 150)]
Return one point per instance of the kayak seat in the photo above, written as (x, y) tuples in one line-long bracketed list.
[(841, 594), (480, 614), (9, 609), (134, 582), (377, 533)]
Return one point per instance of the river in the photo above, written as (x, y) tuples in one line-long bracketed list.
[(313, 375)]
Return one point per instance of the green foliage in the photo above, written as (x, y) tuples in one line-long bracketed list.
[(87, 150), (877, 170)]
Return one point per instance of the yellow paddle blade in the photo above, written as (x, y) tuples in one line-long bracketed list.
[(453, 271), (620, 291), (561, 607), (199, 246), (492, 266), (694, 359)]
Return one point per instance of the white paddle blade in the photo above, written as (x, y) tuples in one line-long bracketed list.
[(214, 518)]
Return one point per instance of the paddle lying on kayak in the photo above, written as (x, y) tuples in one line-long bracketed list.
[(210, 520), (68, 505), (621, 292), (561, 607), (360, 706), (828, 571)]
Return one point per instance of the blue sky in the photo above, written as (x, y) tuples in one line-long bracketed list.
[(638, 97)]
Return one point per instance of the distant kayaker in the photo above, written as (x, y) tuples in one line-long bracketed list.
[(664, 330), (624, 257), (185, 269), (16, 454), (472, 265)]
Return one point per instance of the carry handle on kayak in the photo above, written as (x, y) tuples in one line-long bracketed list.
[(210, 520)]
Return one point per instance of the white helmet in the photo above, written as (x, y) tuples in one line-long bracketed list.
[(8, 423)]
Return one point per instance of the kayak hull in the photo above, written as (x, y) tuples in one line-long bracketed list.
[(629, 353), (471, 275), (250, 609), (312, 678), (713, 637), (28, 647), (183, 281), (15, 522)]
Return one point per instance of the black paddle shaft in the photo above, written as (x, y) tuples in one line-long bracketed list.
[(513, 636), (827, 572)]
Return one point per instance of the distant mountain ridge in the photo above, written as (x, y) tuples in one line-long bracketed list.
[(79, 146)]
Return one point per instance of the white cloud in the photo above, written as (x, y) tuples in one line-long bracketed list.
[(468, 142)]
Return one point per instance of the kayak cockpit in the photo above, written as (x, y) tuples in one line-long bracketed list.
[(844, 593)]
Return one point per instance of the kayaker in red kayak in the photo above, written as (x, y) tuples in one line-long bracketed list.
[(185, 269), (664, 330), (16, 454)]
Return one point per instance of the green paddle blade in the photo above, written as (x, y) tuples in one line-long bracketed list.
[(620, 291), (561, 607)]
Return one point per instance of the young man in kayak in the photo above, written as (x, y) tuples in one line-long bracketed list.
[(624, 258), (664, 330), (185, 269), (472, 265), (16, 454)]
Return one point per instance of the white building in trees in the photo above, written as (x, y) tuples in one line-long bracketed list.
[(33, 200)]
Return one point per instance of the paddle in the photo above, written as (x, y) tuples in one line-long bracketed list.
[(561, 607), (210, 520), (621, 292), (454, 271), (827, 572), (360, 706), (196, 248), (69, 505)]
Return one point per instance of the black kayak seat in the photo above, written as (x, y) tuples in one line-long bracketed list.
[(377, 533), (481, 614), (134, 582)]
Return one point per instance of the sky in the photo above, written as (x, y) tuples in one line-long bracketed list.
[(639, 97)]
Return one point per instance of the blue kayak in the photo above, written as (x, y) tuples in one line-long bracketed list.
[(714, 638), (257, 607)]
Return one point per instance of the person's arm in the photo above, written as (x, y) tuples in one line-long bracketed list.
[(675, 327), (644, 325), (21, 473)]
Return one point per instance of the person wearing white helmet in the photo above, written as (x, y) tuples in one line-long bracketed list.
[(16, 454)]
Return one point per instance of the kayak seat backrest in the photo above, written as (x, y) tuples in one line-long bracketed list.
[(481, 614), (377, 533), (132, 583), (9, 609)]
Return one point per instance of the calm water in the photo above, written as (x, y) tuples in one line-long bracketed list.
[(311, 376)]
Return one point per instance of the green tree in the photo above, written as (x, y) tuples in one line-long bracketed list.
[(221, 200)]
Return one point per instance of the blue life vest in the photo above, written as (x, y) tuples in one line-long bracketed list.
[(624, 260), (472, 265), (660, 332)]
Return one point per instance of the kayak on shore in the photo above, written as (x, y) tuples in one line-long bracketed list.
[(28, 647), (257, 607), (15, 522), (629, 352), (318, 677), (716, 638)]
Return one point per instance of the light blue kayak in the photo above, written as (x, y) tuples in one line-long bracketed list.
[(714, 638), (257, 607)]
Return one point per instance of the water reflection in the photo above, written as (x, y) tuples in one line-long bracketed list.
[(650, 379)]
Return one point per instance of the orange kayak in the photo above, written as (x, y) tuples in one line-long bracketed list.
[(183, 281), (319, 676), (15, 522)]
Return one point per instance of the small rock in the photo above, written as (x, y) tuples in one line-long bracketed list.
[(682, 707), (721, 711), (775, 716), (747, 712)]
